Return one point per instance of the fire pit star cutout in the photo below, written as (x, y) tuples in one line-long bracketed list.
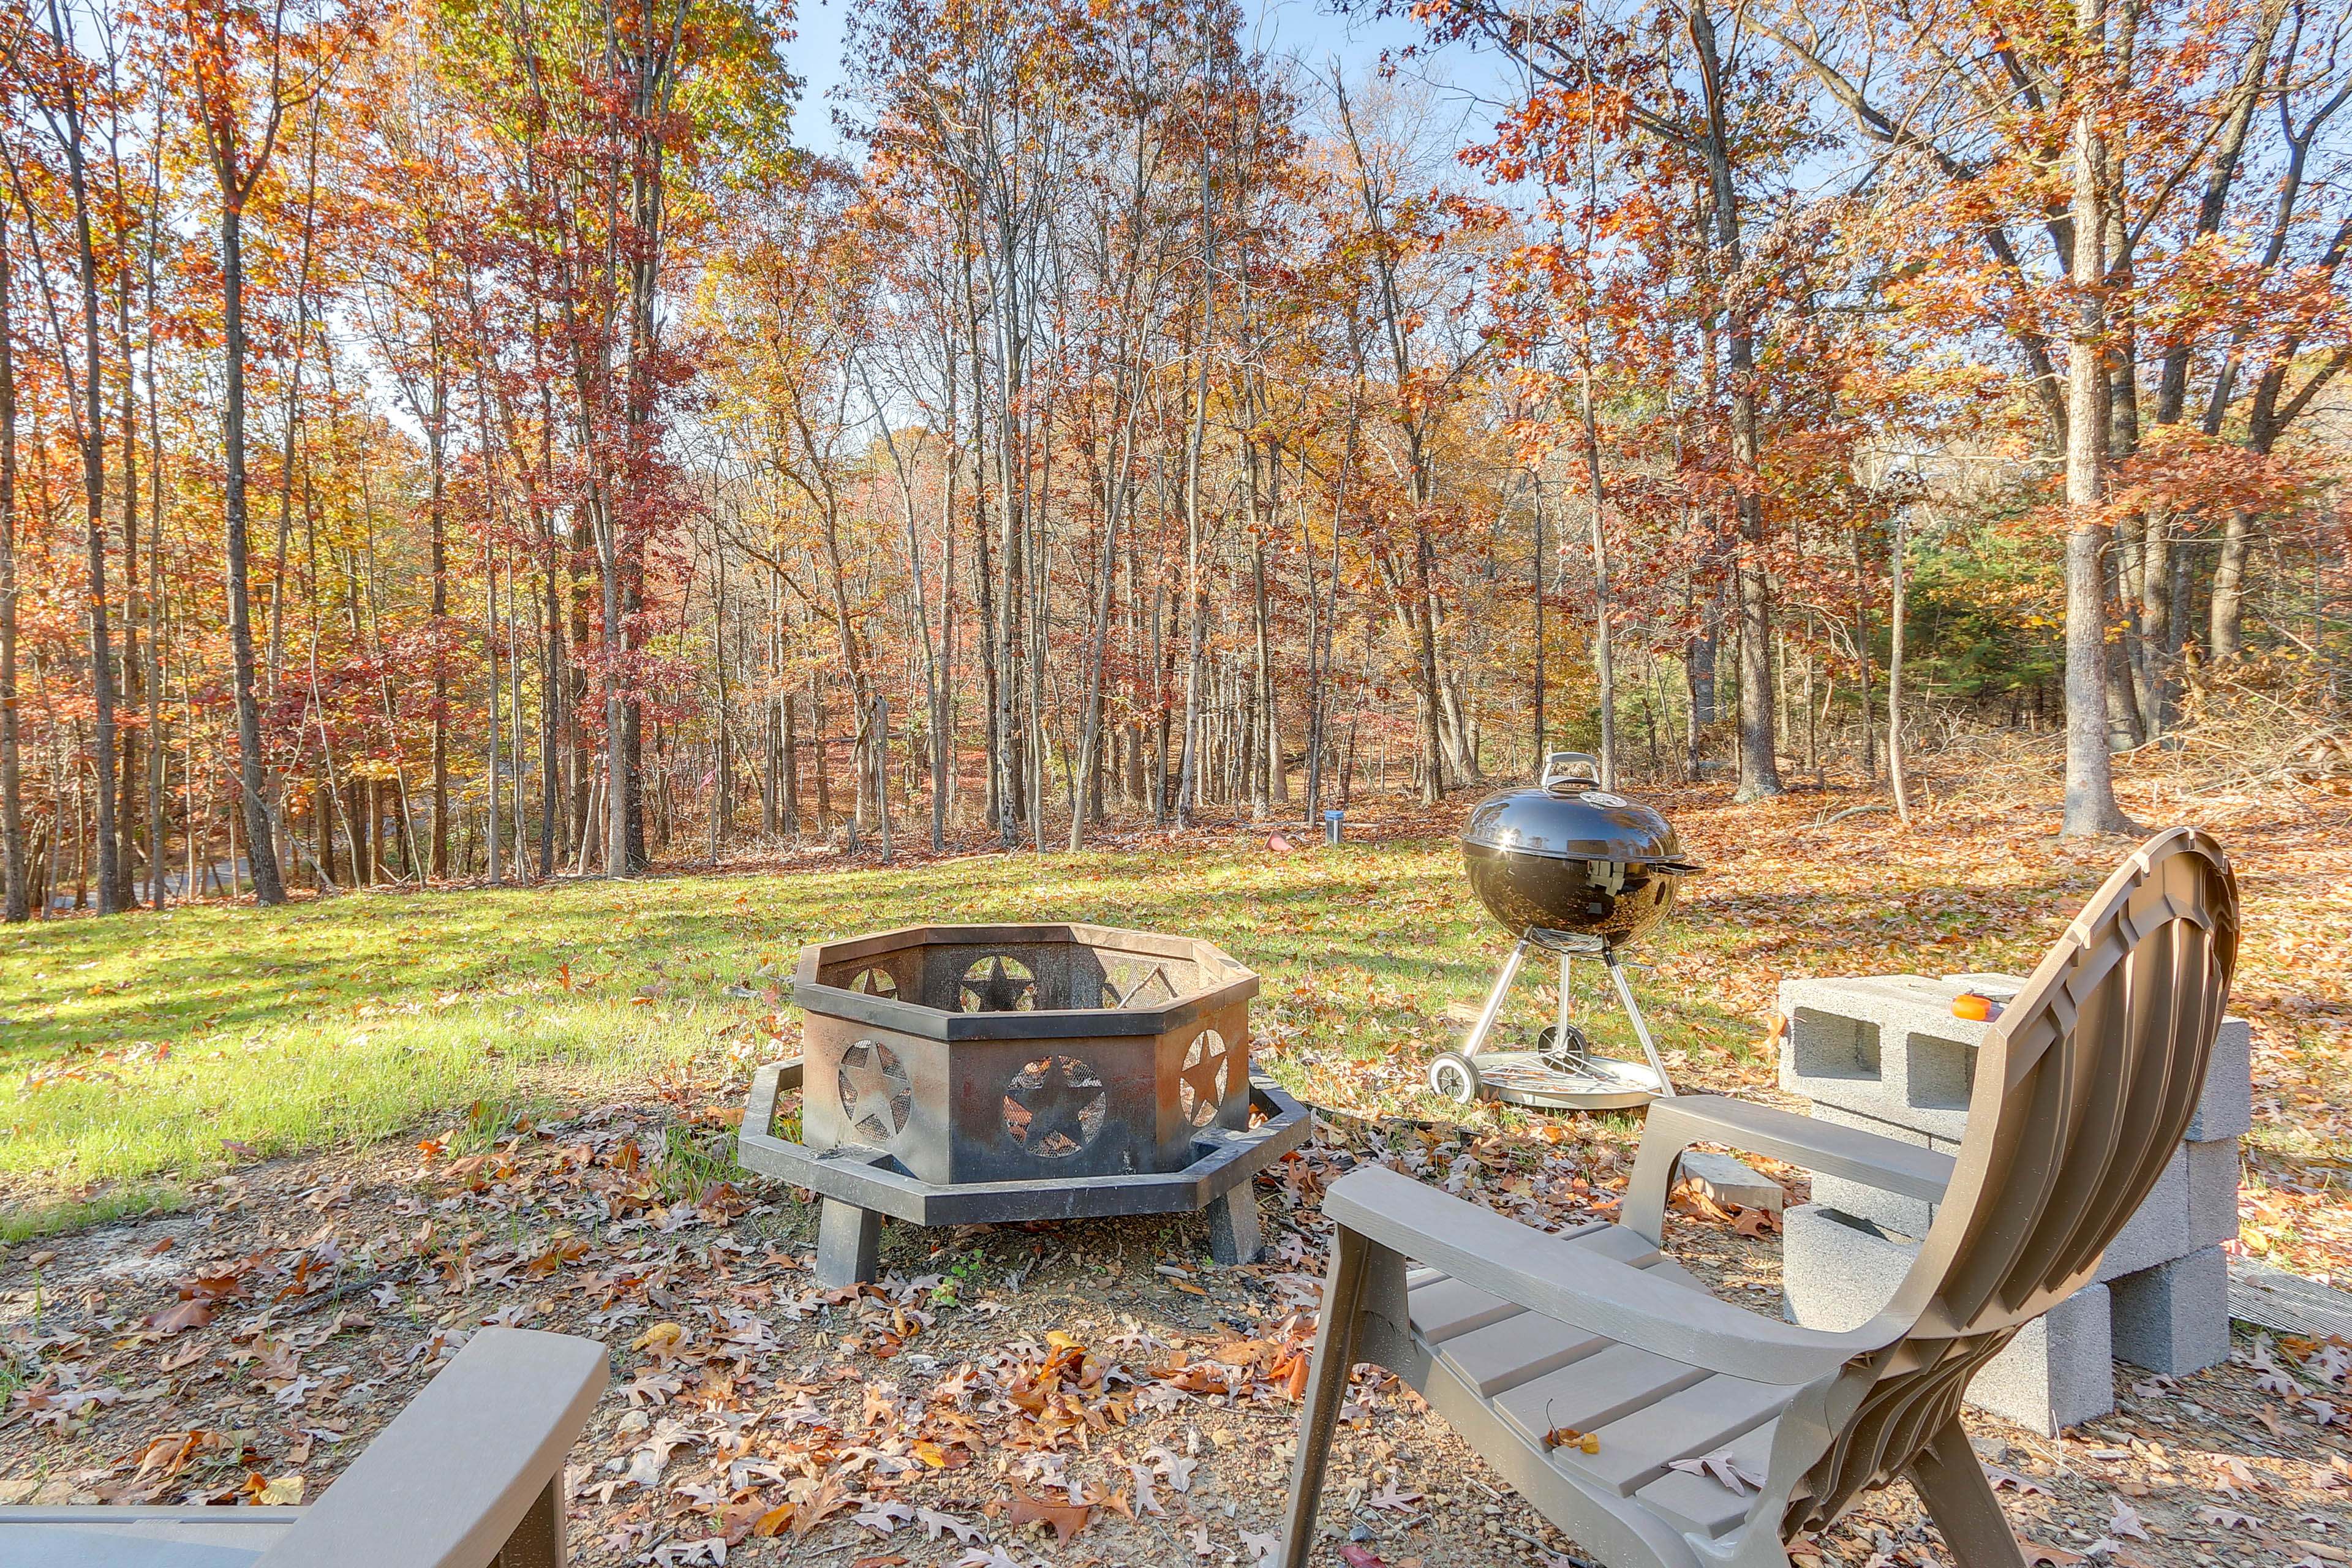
[(1205, 1077), (872, 1081), (995, 992), (1056, 1107)]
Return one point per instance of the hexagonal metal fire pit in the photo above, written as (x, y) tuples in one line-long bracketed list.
[(953, 1075)]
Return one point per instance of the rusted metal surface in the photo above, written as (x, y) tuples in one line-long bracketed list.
[(1220, 1161), (962, 1074), (1000, 1053)]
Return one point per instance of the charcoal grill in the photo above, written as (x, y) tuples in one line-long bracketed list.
[(1576, 872)]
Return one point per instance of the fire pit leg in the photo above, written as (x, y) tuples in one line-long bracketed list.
[(849, 1244), (1233, 1234)]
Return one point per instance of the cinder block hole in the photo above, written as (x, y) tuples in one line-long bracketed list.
[(1829, 1046), (1942, 1073)]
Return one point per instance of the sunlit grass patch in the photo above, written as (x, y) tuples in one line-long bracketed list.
[(150, 1050)]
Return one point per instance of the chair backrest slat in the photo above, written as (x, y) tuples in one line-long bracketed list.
[(2084, 1088)]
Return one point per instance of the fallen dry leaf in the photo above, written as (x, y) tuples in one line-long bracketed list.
[(181, 1316), (1068, 1518)]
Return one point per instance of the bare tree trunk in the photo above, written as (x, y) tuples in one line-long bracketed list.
[(436, 525), (1861, 656), (1760, 765), (18, 906), (1196, 591), (261, 851), (92, 437), (1604, 655), (1894, 677), (615, 651), (126, 811), (2090, 785), (490, 647), (2225, 633)]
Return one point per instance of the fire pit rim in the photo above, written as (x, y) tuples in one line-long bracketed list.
[(1045, 1023), (1224, 1160)]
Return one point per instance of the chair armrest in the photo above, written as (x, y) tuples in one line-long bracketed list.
[(1805, 1141), (449, 1481), (1578, 1286)]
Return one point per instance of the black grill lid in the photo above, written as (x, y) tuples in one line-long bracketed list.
[(1568, 818)]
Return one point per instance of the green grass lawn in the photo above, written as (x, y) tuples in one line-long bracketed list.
[(150, 1050)]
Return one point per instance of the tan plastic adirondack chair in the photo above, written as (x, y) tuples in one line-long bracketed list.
[(469, 1476), (2083, 1088)]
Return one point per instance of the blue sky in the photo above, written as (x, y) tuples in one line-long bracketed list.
[(1297, 27)]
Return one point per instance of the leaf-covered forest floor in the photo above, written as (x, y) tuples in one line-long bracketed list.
[(365, 1127)]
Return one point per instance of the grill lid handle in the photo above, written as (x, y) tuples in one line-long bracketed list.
[(1559, 766)]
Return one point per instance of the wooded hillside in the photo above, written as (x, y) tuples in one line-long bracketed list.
[(452, 439)]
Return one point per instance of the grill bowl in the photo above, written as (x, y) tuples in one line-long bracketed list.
[(1567, 857)]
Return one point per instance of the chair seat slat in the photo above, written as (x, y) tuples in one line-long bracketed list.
[(1703, 1505)]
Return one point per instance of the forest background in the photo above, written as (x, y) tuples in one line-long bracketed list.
[(457, 439)]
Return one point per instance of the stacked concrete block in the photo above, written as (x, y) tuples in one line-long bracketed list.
[(1885, 1055)]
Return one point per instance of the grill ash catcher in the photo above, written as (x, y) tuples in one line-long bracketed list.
[(955, 1075), (1577, 872)]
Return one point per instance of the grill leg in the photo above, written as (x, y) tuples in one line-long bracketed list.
[(1566, 985), (848, 1244), (1640, 1024), (1495, 999)]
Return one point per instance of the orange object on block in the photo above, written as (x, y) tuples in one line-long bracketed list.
[(1980, 1009)]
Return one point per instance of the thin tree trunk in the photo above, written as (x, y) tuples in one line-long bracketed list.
[(93, 436), (17, 906), (1604, 654), (1894, 677), (2090, 786)]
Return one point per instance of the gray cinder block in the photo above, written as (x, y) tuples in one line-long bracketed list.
[(2160, 1231), (2174, 1318), (2056, 1372), (1882, 1046), (2226, 1108), (1837, 1272), (1885, 1055), (1840, 1116), (2212, 1191), (1999, 987), (1889, 1211), (1728, 1181)]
